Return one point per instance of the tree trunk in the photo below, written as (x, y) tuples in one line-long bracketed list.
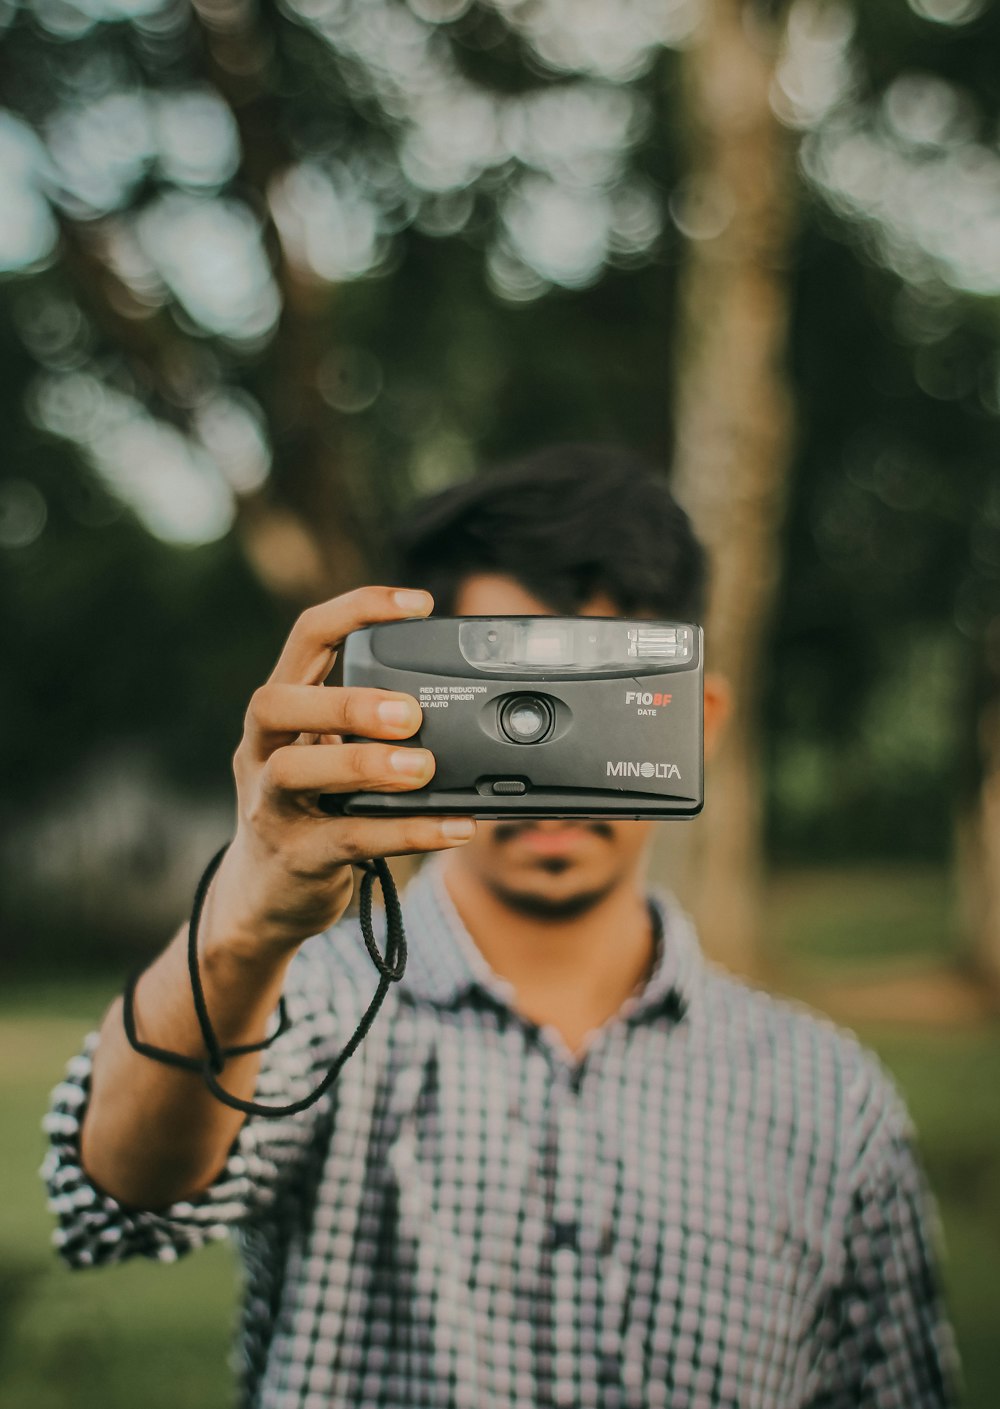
[(734, 429), (301, 532), (977, 847)]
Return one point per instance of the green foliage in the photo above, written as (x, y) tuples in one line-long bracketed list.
[(443, 346)]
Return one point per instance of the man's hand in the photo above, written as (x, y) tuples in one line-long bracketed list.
[(287, 873)]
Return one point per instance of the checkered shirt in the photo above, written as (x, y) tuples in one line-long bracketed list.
[(717, 1206)]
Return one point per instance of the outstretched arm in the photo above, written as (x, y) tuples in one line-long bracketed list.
[(152, 1133)]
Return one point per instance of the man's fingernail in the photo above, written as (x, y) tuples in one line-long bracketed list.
[(418, 602), (395, 712), (412, 761), (458, 828)]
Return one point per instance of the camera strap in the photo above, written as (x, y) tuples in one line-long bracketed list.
[(390, 965)]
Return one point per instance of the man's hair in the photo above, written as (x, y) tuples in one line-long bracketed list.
[(564, 522)]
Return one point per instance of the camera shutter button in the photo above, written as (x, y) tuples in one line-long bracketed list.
[(509, 785)]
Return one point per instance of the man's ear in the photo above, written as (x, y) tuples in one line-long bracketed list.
[(718, 704)]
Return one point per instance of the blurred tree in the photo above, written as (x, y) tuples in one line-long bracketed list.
[(895, 500), (217, 171), (197, 184), (734, 422), (280, 267)]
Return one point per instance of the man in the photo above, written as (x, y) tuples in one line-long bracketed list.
[(571, 1165)]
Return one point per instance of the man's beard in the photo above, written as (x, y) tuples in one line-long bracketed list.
[(550, 907), (547, 907)]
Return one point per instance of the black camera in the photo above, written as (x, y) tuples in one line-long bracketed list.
[(542, 716)]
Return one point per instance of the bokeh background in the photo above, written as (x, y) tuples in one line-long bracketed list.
[(272, 268)]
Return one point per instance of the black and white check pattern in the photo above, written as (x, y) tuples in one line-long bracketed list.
[(719, 1206)]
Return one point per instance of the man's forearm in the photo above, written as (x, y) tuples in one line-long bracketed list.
[(154, 1133)]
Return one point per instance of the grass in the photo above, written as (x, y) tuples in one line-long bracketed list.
[(146, 1334), (876, 923), (159, 1335), (861, 917), (951, 1081)]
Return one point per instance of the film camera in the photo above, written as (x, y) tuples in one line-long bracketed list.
[(542, 716)]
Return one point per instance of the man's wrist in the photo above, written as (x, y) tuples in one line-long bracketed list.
[(232, 946), (255, 938)]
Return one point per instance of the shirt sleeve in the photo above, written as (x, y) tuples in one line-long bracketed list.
[(886, 1338), (266, 1158)]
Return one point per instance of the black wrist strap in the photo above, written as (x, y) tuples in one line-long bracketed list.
[(390, 966)]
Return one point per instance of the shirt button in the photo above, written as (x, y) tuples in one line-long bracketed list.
[(564, 1235)]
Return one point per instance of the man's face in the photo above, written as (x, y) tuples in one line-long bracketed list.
[(554, 869)]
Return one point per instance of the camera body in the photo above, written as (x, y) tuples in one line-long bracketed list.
[(542, 716)]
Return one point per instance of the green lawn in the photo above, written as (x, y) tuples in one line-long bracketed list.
[(141, 1334), (158, 1336), (858, 917), (864, 923), (951, 1081)]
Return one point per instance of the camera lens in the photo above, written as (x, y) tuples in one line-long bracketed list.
[(526, 719)]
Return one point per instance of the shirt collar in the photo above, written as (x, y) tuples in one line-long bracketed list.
[(444, 964)]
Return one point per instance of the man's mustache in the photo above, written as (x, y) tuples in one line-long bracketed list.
[(510, 831)]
